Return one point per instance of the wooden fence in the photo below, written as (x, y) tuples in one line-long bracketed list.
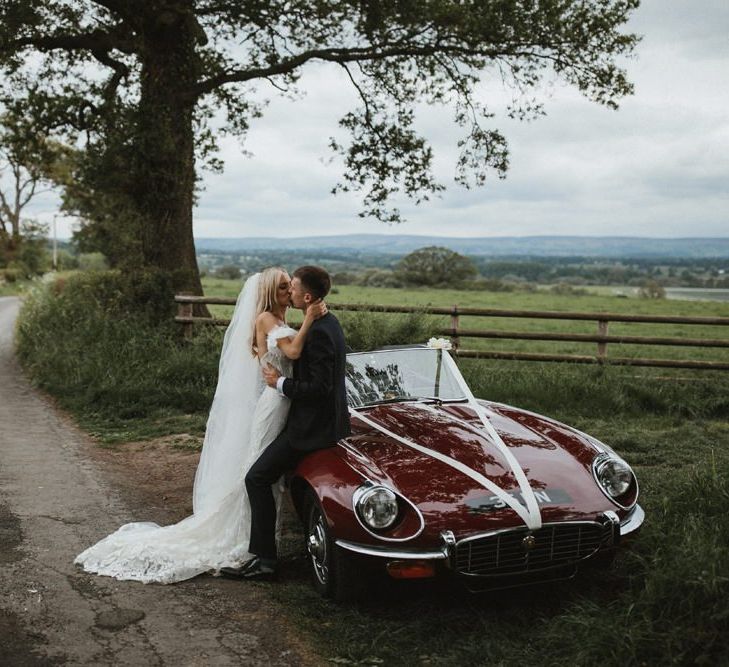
[(601, 337)]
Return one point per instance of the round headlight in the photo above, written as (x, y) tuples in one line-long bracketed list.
[(615, 476), (378, 507)]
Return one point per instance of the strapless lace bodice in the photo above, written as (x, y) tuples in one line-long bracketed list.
[(274, 355)]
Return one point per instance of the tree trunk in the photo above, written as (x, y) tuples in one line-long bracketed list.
[(11, 242), (10, 237), (163, 176)]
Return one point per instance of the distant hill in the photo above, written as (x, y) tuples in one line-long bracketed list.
[(541, 246)]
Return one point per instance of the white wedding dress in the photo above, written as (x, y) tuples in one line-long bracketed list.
[(245, 417)]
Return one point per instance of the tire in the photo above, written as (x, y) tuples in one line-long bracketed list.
[(332, 570)]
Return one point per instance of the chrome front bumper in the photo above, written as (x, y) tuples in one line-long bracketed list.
[(633, 521), (630, 523), (389, 552)]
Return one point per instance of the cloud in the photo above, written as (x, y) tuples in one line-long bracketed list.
[(656, 167), (695, 29)]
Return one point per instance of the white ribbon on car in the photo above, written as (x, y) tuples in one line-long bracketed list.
[(529, 514), (533, 518)]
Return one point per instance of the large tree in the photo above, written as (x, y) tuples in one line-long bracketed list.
[(138, 81), (435, 266)]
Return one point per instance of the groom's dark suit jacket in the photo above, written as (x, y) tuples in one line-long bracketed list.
[(318, 416)]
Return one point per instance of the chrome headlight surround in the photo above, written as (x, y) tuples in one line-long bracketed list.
[(405, 507), (616, 479), (377, 507)]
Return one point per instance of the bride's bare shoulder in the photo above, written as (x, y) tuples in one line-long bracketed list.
[(266, 321)]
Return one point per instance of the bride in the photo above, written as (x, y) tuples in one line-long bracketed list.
[(246, 415)]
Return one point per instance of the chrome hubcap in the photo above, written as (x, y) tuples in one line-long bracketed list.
[(316, 544)]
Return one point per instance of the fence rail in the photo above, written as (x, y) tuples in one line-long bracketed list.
[(602, 338)]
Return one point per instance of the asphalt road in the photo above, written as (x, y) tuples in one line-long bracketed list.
[(55, 501)]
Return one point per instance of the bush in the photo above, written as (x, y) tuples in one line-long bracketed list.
[(494, 285), (92, 261), (652, 290), (344, 278), (228, 272), (67, 261), (31, 255), (435, 265), (106, 345), (11, 275), (379, 278), (368, 331), (148, 295)]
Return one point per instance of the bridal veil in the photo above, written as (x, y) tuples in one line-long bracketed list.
[(216, 534), (229, 422)]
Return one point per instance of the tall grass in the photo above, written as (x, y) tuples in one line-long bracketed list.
[(571, 391), (674, 608), (368, 331), (113, 364)]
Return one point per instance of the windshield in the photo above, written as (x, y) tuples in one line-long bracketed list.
[(399, 375)]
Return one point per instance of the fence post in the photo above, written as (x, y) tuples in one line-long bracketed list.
[(455, 341), (185, 310), (602, 330)]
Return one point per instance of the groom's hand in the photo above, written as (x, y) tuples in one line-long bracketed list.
[(270, 375)]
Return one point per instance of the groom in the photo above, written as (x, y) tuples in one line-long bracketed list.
[(318, 417)]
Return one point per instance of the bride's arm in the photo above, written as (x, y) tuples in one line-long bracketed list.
[(264, 323), (292, 347)]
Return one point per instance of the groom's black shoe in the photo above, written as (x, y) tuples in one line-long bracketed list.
[(255, 569)]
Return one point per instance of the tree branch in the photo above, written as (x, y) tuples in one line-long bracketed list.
[(121, 71), (351, 55), (5, 211), (26, 195), (363, 97), (96, 40), (335, 55)]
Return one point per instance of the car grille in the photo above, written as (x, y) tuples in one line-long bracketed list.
[(553, 545)]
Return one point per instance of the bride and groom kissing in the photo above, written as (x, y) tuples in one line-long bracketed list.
[(280, 395)]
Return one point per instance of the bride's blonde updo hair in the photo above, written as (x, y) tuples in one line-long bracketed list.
[(266, 299)]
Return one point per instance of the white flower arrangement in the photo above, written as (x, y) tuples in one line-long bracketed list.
[(439, 344)]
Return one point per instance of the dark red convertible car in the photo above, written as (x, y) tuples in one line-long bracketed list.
[(433, 482)]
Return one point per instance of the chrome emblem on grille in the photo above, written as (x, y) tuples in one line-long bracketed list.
[(529, 542)]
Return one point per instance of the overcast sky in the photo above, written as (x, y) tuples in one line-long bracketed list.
[(658, 167)]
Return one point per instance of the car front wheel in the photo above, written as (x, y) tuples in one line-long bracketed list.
[(331, 569)]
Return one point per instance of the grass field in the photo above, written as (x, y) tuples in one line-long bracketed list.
[(542, 301)]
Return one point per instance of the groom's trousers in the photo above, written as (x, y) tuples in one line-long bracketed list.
[(278, 458)]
